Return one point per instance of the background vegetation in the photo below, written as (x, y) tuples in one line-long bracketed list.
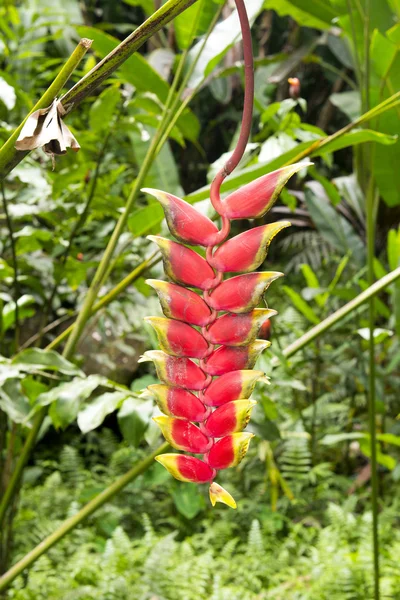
[(304, 522)]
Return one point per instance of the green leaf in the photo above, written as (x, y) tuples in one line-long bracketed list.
[(94, 413), (265, 430), (13, 401), (336, 438), (147, 5), (7, 94), (135, 70), (302, 306), (389, 438), (355, 137), (133, 418), (188, 499), (184, 22), (30, 239), (146, 219), (24, 311), (309, 13), (163, 173), (348, 102), (383, 459), (35, 359), (65, 399), (103, 108), (334, 228)]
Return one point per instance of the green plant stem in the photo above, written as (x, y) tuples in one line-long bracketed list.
[(303, 341), (370, 223), (15, 264), (103, 70), (76, 519), (337, 316), (8, 153), (17, 472)]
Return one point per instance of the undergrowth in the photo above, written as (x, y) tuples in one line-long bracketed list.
[(129, 550)]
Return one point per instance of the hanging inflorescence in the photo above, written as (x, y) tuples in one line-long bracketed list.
[(209, 344)]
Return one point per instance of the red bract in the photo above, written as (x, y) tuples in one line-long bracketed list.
[(184, 221), (178, 339), (227, 358), (183, 265), (253, 200), (239, 330), (180, 303), (209, 353), (242, 293), (247, 251), (176, 402)]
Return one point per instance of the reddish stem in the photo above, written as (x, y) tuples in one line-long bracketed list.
[(245, 129)]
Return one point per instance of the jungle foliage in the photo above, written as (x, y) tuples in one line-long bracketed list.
[(167, 118)]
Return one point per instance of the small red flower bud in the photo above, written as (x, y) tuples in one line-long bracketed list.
[(294, 87)]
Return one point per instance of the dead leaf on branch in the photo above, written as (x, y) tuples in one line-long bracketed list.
[(45, 129)]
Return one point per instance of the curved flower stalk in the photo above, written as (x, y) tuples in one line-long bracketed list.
[(209, 343)]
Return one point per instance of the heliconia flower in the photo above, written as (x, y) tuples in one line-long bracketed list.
[(178, 339), (180, 303), (242, 293), (203, 415), (177, 402), (219, 494), (184, 221), (231, 358), (231, 386), (253, 200), (181, 372), (184, 265), (186, 468), (229, 451), (229, 418), (247, 251), (183, 435), (238, 330)]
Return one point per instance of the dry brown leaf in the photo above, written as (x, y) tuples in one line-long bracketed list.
[(45, 129)]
